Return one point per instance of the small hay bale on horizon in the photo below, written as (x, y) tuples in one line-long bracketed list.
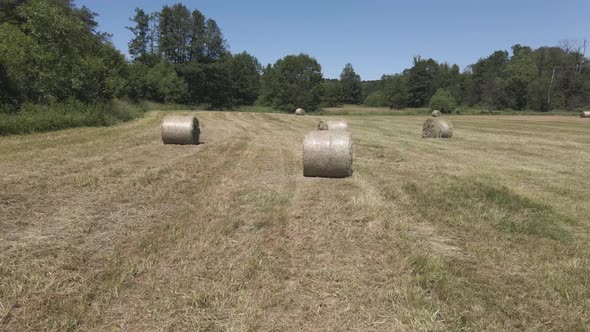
[(180, 129), (436, 113), (437, 128), (327, 154), (585, 114), (300, 111), (340, 125)]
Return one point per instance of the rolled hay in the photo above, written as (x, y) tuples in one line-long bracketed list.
[(436, 113), (300, 111), (437, 128), (178, 129), (585, 114), (333, 125), (322, 125), (327, 154)]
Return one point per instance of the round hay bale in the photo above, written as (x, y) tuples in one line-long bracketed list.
[(437, 128), (585, 114), (178, 129), (300, 111), (333, 125), (327, 154), (436, 113)]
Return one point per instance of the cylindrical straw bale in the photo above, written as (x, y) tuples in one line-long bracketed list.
[(327, 154), (437, 128), (300, 111), (333, 125), (178, 129), (585, 114), (436, 113)]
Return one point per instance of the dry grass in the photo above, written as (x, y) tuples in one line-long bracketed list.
[(108, 229), (360, 109)]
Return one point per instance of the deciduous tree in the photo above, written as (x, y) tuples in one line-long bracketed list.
[(350, 81)]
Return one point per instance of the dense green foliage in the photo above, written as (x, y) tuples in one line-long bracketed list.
[(396, 93), (54, 116), (543, 79), (376, 99), (58, 71), (51, 53), (292, 82), (189, 50), (245, 73), (352, 89), (332, 93), (443, 101), (159, 83)]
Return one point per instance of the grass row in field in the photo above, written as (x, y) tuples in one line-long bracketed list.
[(364, 110), (33, 118), (153, 106), (41, 118), (486, 231)]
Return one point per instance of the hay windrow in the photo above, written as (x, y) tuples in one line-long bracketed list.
[(327, 154), (178, 129), (437, 128), (333, 125), (300, 111), (585, 114), (436, 113)]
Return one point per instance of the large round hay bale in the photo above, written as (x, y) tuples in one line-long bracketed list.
[(437, 128), (436, 113), (333, 125), (585, 114), (327, 154), (300, 111), (178, 129)]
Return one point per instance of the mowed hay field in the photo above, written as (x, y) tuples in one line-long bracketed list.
[(109, 229)]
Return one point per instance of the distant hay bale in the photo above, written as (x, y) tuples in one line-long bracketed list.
[(436, 113), (437, 128), (300, 111), (327, 154), (178, 129), (585, 114), (333, 125)]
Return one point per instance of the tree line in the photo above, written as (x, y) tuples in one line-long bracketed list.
[(51, 52), (537, 79)]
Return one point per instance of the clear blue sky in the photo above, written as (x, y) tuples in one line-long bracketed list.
[(376, 36)]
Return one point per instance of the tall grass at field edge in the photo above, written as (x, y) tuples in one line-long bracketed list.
[(33, 118)]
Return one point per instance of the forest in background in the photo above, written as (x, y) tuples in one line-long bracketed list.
[(57, 70)]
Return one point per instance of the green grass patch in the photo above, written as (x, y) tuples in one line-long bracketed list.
[(430, 271), (463, 202), (33, 118)]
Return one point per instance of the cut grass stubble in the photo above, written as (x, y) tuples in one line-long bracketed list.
[(486, 231)]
